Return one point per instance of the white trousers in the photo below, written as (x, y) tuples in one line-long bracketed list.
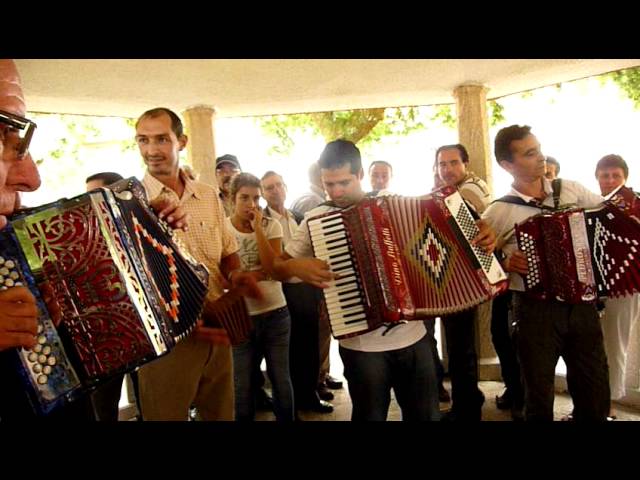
[(619, 317)]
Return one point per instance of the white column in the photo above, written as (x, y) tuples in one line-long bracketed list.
[(201, 154)]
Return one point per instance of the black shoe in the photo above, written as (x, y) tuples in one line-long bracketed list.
[(318, 406), (443, 394), (264, 401), (504, 401), (324, 393), (332, 382)]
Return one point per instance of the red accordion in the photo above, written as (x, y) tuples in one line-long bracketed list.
[(577, 256), (402, 258), (229, 312), (126, 291)]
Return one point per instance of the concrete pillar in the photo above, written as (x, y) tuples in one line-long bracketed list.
[(473, 133), (201, 154), (473, 128)]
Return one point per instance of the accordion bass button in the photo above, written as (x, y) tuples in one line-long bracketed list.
[(37, 348), (42, 339), (47, 370), (4, 271), (2, 260), (46, 350), (42, 359), (33, 357), (40, 328), (51, 361), (10, 264), (37, 368), (42, 379)]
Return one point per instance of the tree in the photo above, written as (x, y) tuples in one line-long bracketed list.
[(628, 81), (364, 126)]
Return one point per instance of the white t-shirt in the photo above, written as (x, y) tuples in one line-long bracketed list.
[(398, 337), (250, 260), (502, 216)]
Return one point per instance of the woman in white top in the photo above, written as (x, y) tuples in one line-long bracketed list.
[(260, 239)]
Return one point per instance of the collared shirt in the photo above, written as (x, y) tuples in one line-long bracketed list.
[(309, 200), (208, 239), (475, 191), (502, 216), (398, 337)]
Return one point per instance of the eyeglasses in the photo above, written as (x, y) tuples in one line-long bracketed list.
[(23, 127)]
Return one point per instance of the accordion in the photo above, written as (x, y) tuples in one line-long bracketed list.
[(229, 312), (577, 255), (402, 258), (125, 290)]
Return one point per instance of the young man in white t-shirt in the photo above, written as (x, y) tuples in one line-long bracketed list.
[(398, 357)]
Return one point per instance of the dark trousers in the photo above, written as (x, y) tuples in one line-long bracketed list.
[(504, 343), (547, 330), (106, 398), (303, 301), (430, 325), (466, 397), (408, 371)]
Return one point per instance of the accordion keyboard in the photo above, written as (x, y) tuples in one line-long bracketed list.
[(344, 296)]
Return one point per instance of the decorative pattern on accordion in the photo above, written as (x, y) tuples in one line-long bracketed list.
[(229, 312), (111, 283), (98, 314), (626, 200), (446, 273), (402, 258), (579, 255), (614, 239)]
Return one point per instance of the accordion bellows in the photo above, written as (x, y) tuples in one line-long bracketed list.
[(577, 255), (126, 291), (402, 258)]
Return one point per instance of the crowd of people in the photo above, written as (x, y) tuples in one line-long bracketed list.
[(268, 253)]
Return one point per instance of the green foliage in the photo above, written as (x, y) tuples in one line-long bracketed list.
[(628, 81), (496, 115)]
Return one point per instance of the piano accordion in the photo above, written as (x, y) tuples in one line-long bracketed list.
[(402, 258), (580, 255), (229, 312), (125, 290)]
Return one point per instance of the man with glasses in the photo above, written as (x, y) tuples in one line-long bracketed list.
[(18, 311), (18, 173)]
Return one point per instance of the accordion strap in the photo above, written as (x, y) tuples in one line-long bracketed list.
[(556, 185)]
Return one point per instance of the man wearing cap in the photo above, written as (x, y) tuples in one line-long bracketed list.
[(227, 167)]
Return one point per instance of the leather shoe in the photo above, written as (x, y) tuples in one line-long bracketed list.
[(324, 393), (504, 401), (264, 401), (318, 406), (443, 394), (332, 382)]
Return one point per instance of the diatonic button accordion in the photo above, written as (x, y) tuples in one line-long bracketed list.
[(126, 291)]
